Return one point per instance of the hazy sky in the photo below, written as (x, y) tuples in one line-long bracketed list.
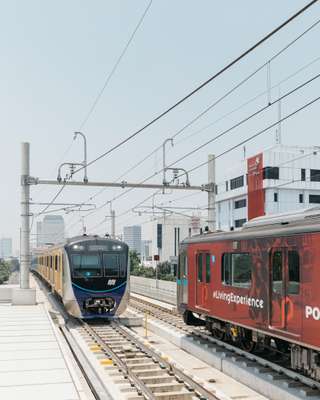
[(55, 56)]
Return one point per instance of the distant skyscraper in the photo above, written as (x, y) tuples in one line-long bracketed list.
[(50, 230), (5, 247), (132, 236)]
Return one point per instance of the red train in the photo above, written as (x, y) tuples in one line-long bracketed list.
[(258, 284)]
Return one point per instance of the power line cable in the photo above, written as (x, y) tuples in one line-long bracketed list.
[(102, 90), (211, 106), (202, 129), (216, 103), (250, 100), (259, 133), (246, 119), (112, 72), (299, 87), (202, 85), (218, 136)]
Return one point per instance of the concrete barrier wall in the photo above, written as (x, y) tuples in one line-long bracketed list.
[(162, 290), (6, 292)]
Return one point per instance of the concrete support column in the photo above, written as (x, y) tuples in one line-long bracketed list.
[(25, 295)]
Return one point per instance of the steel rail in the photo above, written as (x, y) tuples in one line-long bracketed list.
[(173, 370), (128, 373), (197, 333), (170, 367)]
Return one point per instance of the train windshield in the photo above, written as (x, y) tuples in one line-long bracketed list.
[(86, 265), (114, 265)]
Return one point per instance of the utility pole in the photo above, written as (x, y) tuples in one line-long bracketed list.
[(211, 193), (25, 295), (113, 224), (113, 221), (278, 129)]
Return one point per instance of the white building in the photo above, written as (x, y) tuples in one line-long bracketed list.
[(50, 230), (146, 250), (132, 236), (279, 179), (167, 232), (5, 247)]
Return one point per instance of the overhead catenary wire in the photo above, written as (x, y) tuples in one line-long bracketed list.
[(113, 70), (198, 116), (238, 108), (195, 194), (255, 135), (246, 119), (241, 122), (140, 162), (259, 133), (202, 85), (218, 136), (200, 130)]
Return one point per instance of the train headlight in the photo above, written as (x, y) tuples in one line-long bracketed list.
[(77, 247)]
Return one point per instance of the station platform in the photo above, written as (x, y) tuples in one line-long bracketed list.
[(34, 361)]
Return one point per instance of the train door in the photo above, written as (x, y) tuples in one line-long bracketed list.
[(293, 300), (182, 279), (57, 279), (277, 292), (203, 280), (53, 267), (49, 263), (285, 310)]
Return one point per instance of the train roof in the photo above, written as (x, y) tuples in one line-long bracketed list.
[(283, 224), (80, 239), (86, 238)]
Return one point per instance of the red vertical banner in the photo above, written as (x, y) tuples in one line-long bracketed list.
[(256, 197)]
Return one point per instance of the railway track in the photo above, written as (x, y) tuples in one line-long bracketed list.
[(269, 365), (152, 376)]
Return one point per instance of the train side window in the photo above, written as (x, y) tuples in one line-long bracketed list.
[(294, 272), (277, 282), (241, 270), (208, 268), (236, 269), (200, 267), (56, 265), (226, 269)]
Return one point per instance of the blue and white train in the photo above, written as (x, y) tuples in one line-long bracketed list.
[(89, 273)]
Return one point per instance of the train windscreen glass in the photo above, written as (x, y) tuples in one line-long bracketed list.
[(114, 265), (86, 265)]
